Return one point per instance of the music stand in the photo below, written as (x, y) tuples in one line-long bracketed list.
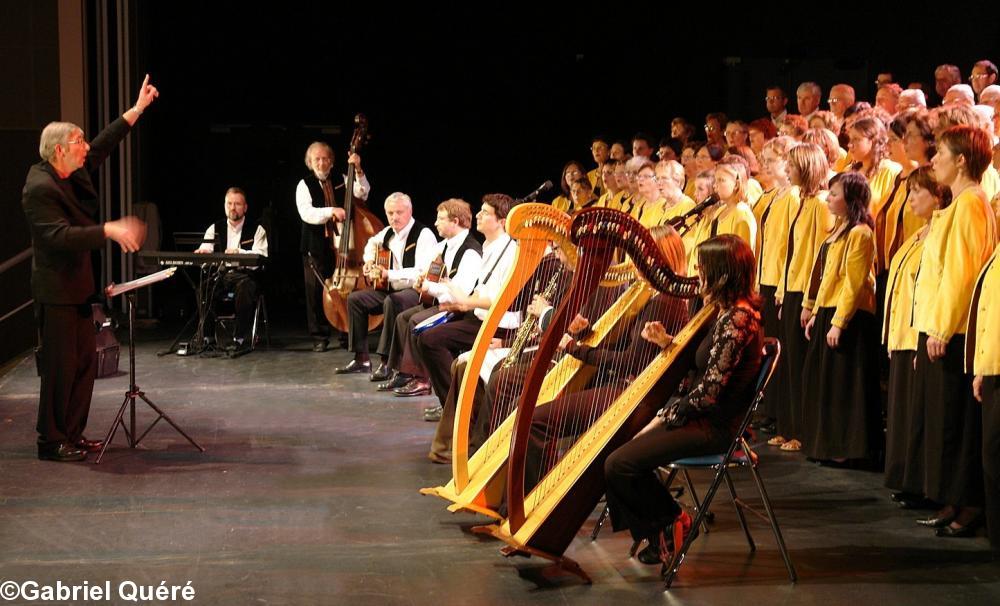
[(197, 342), (129, 289)]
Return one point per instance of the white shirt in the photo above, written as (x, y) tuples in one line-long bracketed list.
[(776, 120), (401, 277), (233, 239), (492, 287), (318, 215), (468, 268)]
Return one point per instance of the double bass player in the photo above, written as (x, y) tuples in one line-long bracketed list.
[(322, 211)]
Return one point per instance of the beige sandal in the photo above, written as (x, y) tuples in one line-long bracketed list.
[(792, 445), (776, 441)]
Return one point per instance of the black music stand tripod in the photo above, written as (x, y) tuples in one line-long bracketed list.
[(133, 390)]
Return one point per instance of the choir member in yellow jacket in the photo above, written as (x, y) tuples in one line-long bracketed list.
[(807, 169), (646, 207), (609, 185), (774, 211), (842, 408), (960, 240), (688, 161), (571, 172), (582, 194), (670, 178), (983, 355), (601, 153), (733, 215), (904, 450)]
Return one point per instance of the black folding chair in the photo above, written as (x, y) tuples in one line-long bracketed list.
[(739, 455)]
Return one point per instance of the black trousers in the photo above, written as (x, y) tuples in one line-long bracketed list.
[(319, 326), (402, 352), (68, 361), (241, 288), (636, 498), (438, 347), (364, 303)]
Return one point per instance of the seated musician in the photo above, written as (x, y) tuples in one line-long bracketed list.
[(617, 366), (438, 346), (702, 420), (553, 274), (237, 235), (461, 256), (411, 246)]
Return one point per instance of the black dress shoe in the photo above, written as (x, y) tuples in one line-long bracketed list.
[(398, 379), (354, 367), (381, 373), (969, 530), (433, 415), (650, 555), (89, 445), (320, 345), (938, 522), (62, 453), (415, 387)]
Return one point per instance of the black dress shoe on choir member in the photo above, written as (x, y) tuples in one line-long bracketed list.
[(89, 445), (354, 367), (415, 387), (969, 530), (61, 453), (320, 345), (398, 379), (381, 373), (938, 521)]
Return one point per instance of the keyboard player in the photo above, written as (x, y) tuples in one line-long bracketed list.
[(237, 235)]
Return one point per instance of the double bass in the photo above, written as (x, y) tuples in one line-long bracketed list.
[(348, 241)]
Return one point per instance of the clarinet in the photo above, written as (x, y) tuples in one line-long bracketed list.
[(527, 328)]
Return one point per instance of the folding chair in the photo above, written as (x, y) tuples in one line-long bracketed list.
[(740, 454)]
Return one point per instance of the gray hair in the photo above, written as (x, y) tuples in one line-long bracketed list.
[(400, 198), (809, 87), (55, 133), (915, 96), (965, 91), (314, 146), (992, 90)]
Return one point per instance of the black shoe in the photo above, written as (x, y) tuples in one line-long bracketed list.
[(918, 503), (320, 346), (398, 379), (89, 445), (414, 387), (62, 453), (969, 530), (896, 497), (433, 415), (354, 367), (938, 522), (650, 555), (381, 373)]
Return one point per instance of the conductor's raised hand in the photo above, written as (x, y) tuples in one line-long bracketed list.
[(147, 94), (128, 232)]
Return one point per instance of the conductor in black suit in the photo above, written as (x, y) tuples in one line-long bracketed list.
[(61, 205)]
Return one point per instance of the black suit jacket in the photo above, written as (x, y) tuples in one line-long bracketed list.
[(62, 215)]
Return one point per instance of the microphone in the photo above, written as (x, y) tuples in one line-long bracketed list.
[(695, 212), (544, 187)]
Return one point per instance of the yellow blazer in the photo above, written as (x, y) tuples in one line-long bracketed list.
[(982, 351), (990, 182), (762, 203), (563, 203), (848, 276), (754, 191), (594, 176), (960, 240), (843, 161), (899, 224), (897, 325), (809, 228), (689, 187), (775, 222), (740, 221)]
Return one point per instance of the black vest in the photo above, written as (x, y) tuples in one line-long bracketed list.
[(249, 230), (410, 250), (314, 236), (470, 243)]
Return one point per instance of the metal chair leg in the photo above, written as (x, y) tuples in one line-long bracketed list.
[(739, 510), (697, 504), (774, 523), (600, 523)]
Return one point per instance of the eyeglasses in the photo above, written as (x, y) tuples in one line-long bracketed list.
[(711, 128), (832, 101), (773, 98), (978, 76), (645, 177), (79, 141)]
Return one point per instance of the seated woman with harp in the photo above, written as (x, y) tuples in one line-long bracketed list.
[(616, 365), (704, 418)]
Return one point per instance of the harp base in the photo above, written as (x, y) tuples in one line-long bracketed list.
[(514, 548), (458, 503)]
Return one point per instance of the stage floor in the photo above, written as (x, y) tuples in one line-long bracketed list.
[(307, 494)]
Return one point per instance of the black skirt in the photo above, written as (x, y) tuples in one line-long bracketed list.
[(793, 351), (777, 387), (953, 433), (841, 415), (991, 457), (904, 442)]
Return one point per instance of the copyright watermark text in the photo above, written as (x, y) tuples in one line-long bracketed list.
[(32, 591)]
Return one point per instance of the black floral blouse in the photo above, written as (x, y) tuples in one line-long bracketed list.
[(727, 363)]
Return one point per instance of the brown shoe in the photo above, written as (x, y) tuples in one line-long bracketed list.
[(439, 459)]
